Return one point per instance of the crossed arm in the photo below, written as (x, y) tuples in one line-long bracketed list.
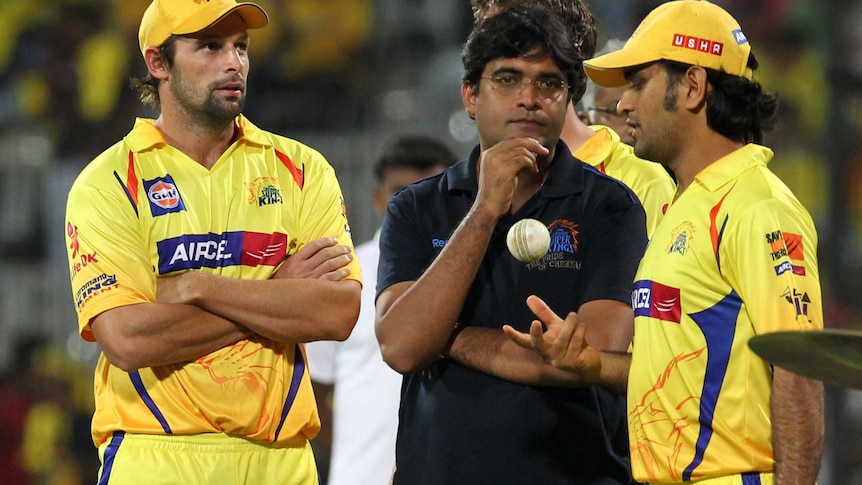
[(308, 298)]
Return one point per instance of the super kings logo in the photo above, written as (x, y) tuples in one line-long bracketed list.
[(681, 237), (564, 236), (264, 191), (163, 195), (655, 300), (562, 253)]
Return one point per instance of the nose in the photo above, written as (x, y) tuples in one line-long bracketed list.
[(529, 95), (626, 104), (234, 58)]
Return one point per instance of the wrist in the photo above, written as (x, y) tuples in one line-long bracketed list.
[(446, 352)]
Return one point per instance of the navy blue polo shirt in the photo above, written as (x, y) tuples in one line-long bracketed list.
[(460, 426)]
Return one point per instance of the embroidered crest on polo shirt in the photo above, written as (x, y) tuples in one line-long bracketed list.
[(563, 249), (681, 237), (264, 191), (163, 195)]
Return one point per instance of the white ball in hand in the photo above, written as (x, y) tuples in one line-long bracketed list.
[(528, 240)]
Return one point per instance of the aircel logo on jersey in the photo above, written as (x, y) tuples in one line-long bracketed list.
[(164, 196), (655, 300), (195, 251)]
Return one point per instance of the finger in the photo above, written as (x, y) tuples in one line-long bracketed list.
[(567, 346), (537, 340), (542, 311), (536, 147), (314, 247), (336, 275), (520, 338), (326, 260)]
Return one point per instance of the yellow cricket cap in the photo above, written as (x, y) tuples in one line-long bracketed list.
[(164, 18), (693, 32)]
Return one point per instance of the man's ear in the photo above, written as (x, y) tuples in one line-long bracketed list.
[(156, 64), (468, 97), (697, 87)]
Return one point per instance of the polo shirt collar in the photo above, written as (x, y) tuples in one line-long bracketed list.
[(145, 135), (566, 176), (731, 165)]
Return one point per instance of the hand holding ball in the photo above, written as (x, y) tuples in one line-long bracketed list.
[(528, 240)]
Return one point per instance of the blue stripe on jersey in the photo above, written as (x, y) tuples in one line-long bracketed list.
[(295, 380), (145, 396), (110, 453), (751, 478), (718, 325), (132, 200)]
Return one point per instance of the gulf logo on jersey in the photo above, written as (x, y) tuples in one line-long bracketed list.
[(655, 300), (195, 251), (164, 196)]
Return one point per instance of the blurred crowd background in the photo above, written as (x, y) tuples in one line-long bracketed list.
[(346, 76)]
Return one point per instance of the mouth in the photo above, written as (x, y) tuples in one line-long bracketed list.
[(234, 87), (526, 122)]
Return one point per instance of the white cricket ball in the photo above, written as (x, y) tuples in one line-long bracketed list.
[(528, 240)]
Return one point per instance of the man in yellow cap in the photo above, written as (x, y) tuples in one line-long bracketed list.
[(203, 253), (734, 256)]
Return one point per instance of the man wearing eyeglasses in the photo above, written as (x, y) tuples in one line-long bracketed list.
[(597, 142), (475, 407), (600, 102)]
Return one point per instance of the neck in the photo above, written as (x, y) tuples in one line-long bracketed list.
[(203, 141), (698, 156)]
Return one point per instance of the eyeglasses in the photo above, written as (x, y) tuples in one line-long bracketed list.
[(609, 111), (512, 84)]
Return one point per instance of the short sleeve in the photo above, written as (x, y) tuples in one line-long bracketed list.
[(108, 261), (324, 212), (404, 253), (615, 251), (771, 261)]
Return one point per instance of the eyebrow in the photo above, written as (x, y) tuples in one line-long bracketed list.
[(217, 37), (512, 70)]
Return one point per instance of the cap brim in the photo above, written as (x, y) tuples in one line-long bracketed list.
[(253, 16), (609, 70)]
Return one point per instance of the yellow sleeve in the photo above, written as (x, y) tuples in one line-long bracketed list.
[(772, 264), (108, 261), (324, 212)]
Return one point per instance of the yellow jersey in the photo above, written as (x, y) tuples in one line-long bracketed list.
[(142, 210), (648, 180), (734, 256)]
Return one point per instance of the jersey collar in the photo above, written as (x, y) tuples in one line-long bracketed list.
[(145, 135), (731, 165), (566, 176), (598, 148)]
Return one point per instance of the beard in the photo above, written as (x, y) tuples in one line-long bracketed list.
[(211, 112)]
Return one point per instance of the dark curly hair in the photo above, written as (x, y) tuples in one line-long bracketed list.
[(736, 108), (575, 15), (528, 31)]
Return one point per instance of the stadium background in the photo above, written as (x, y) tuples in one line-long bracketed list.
[(346, 76)]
